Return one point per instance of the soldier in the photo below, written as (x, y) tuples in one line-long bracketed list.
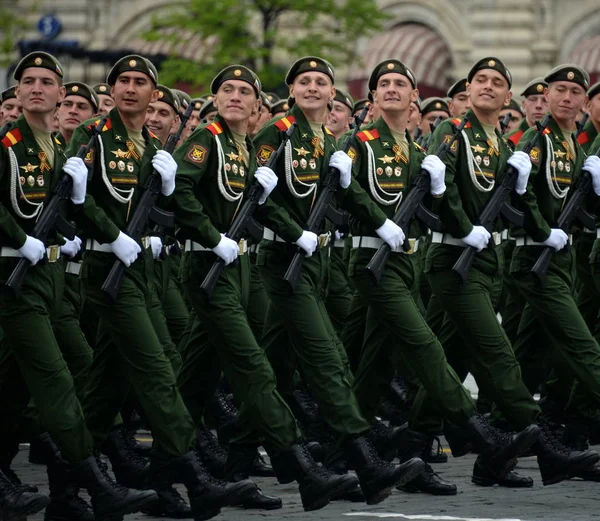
[(80, 103), (107, 102), (194, 120), (216, 166), (10, 106), (459, 98), (431, 110), (279, 108), (592, 127), (128, 347), (263, 114), (414, 118), (162, 117), (516, 116), (340, 116), (535, 107), (31, 162), (207, 113)]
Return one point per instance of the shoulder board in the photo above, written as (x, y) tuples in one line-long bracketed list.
[(107, 125), (456, 122), (583, 138), (368, 135), (214, 128), (285, 122), (12, 138), (546, 131), (516, 137)]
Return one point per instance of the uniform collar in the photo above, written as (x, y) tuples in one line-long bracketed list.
[(29, 143), (304, 130), (120, 134), (229, 135)]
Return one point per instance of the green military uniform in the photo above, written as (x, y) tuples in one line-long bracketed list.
[(212, 177), (128, 347)]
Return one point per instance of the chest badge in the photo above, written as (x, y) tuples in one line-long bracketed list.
[(301, 151), (478, 149), (29, 168), (386, 159)]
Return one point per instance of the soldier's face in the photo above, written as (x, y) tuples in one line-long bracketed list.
[(10, 110), (394, 93), (338, 120), (312, 90), (565, 99), (535, 107), (264, 115), (414, 117), (161, 119), (489, 90), (515, 118), (236, 100), (429, 119), (73, 111), (106, 104), (133, 91), (594, 109), (459, 104), (39, 90)]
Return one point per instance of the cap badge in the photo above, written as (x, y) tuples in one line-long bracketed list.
[(570, 75), (132, 63), (390, 66), (313, 63), (237, 72), (74, 88), (491, 63), (539, 87), (438, 105), (102, 88), (161, 94), (197, 105), (37, 61)]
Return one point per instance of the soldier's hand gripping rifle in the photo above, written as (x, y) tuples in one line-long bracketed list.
[(409, 207), (572, 210), (51, 218), (243, 218), (496, 204), (321, 206), (145, 212), (432, 126)]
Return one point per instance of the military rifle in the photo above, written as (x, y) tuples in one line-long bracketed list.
[(410, 207), (504, 123), (243, 219), (145, 212), (497, 202), (321, 206), (571, 210), (51, 217), (432, 126), (580, 124)]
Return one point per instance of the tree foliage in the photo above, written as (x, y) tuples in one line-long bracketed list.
[(12, 26), (262, 34)]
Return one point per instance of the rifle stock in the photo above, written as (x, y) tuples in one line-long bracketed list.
[(51, 218), (242, 219), (145, 212), (409, 208), (496, 204)]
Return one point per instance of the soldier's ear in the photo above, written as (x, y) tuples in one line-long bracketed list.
[(291, 91), (154, 96), (332, 95), (508, 97), (546, 92), (414, 95), (62, 91)]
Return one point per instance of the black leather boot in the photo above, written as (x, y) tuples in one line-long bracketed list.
[(108, 497), (418, 445), (317, 484), (213, 455), (18, 503), (576, 437), (387, 440), (437, 455), (42, 450), (485, 477), (240, 460), (65, 503), (304, 406), (376, 476), (224, 413), (130, 469), (260, 467), (19, 485), (558, 462)]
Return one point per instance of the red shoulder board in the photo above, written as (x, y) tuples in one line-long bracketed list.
[(546, 131), (107, 125), (516, 137), (285, 122), (583, 138), (215, 128), (456, 122), (12, 138), (368, 135)]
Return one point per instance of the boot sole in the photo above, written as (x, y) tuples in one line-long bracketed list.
[(410, 470), (573, 470), (33, 507), (130, 508), (344, 486), (490, 482)]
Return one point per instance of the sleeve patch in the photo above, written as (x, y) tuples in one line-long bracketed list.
[(534, 155), (196, 154), (264, 153), (448, 138), (352, 154), (89, 157)]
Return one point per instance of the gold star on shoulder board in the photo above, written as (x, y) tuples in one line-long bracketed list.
[(301, 151), (478, 149), (386, 159), (560, 154), (233, 157)]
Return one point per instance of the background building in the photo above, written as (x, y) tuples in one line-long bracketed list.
[(438, 39)]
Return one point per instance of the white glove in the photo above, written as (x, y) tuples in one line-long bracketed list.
[(33, 250), (125, 248), (343, 163), (166, 166), (391, 233), (520, 160), (592, 165), (227, 249), (437, 171), (267, 179), (71, 248), (308, 242), (156, 245), (75, 167), (478, 238), (558, 239)]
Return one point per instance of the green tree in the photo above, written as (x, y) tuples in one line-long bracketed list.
[(257, 32), (12, 26)]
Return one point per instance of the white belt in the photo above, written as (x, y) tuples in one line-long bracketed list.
[(270, 235), (52, 252), (528, 241), (339, 243), (194, 246), (375, 243), (594, 232), (253, 248), (445, 238), (73, 268), (93, 245), (597, 233)]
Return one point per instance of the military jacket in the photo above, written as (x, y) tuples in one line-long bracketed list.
[(301, 170), (554, 170), (513, 138), (117, 176), (26, 182), (587, 137), (384, 173)]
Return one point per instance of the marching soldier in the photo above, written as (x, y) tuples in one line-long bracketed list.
[(340, 116), (431, 110), (516, 116), (592, 127), (10, 106), (107, 103), (534, 106), (459, 98)]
